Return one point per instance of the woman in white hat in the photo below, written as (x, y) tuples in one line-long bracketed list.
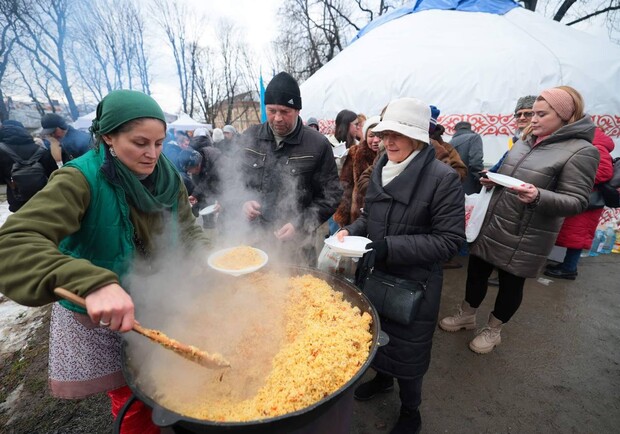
[(414, 215)]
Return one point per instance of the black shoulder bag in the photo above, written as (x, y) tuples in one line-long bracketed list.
[(394, 298)]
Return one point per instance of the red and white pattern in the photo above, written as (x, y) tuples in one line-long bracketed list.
[(494, 124), (610, 124)]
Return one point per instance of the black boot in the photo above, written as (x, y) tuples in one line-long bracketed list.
[(409, 422), (380, 384)]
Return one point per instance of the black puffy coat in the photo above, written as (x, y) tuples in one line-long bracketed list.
[(421, 215)]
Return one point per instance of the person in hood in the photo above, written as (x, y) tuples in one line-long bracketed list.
[(414, 214), (16, 138), (578, 231), (99, 216), (556, 165), (468, 144), (289, 173)]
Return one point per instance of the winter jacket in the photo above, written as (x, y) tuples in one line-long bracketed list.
[(294, 182), (469, 146), (445, 153), (75, 143), (360, 158), (518, 237), (18, 140), (578, 231), (420, 214), (36, 266)]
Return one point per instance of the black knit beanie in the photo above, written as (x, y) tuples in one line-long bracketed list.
[(283, 90)]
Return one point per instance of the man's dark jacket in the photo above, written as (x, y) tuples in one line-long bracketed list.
[(294, 182)]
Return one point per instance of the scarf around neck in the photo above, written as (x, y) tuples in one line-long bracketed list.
[(164, 182), (391, 170)]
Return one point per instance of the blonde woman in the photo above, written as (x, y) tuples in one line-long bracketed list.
[(557, 163)]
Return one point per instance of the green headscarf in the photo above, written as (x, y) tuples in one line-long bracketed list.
[(120, 106), (116, 109)]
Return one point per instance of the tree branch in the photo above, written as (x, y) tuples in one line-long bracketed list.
[(593, 14)]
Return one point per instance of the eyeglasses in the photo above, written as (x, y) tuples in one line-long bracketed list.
[(526, 115)]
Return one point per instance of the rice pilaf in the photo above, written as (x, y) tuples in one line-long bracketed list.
[(327, 340)]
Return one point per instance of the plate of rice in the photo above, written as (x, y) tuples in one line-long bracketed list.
[(237, 261)]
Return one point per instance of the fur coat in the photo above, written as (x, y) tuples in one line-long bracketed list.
[(360, 158)]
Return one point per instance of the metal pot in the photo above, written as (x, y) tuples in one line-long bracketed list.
[(331, 414)]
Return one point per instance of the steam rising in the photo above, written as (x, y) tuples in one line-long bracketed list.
[(240, 318)]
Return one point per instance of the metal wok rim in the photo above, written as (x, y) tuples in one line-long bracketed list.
[(172, 417)]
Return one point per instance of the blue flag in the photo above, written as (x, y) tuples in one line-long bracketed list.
[(263, 112)]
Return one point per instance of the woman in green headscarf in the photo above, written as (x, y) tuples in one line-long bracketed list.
[(84, 231)]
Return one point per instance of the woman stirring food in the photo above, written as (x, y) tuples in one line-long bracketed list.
[(414, 215), (83, 232)]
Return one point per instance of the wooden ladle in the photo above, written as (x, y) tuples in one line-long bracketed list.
[(213, 361)]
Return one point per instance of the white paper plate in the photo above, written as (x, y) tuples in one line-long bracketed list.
[(213, 257), (506, 181), (352, 246), (208, 210)]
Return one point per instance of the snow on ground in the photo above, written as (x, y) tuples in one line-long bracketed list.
[(4, 211), (17, 322)]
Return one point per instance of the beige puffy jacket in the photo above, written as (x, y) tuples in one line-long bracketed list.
[(516, 237)]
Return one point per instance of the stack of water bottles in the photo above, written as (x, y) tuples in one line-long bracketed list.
[(606, 241)]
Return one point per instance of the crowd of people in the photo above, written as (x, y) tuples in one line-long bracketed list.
[(112, 194)]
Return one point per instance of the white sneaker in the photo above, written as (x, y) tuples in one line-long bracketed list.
[(461, 320), (486, 339)]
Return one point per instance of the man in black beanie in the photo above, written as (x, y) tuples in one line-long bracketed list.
[(290, 174)]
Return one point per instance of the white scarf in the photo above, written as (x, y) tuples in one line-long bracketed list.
[(391, 170)]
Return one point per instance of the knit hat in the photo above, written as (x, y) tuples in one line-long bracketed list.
[(370, 122), (51, 121), (198, 132), (407, 116), (121, 106), (525, 102), (283, 90), (434, 115), (560, 101), (229, 129), (218, 135), (312, 121)]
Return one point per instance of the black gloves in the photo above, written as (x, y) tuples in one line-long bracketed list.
[(380, 248)]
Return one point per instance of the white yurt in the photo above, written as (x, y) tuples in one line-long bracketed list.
[(471, 58)]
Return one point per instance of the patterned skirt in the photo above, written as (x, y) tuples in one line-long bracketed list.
[(84, 359)]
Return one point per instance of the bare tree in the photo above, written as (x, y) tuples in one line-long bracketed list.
[(41, 29), (181, 29), (111, 54), (234, 70), (578, 10), (7, 41), (208, 87), (314, 31)]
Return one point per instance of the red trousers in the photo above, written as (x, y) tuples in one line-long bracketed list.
[(137, 420)]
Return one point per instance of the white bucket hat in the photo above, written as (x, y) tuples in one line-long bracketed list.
[(407, 116)]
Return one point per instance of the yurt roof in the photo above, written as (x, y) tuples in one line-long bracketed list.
[(473, 59)]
